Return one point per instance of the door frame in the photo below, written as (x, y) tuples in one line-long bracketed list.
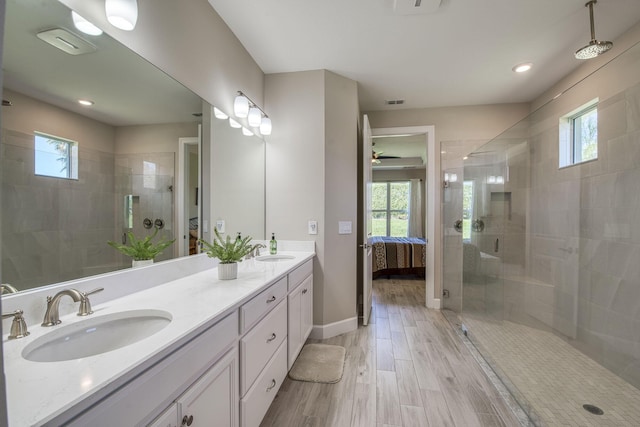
[(183, 147), (433, 288)]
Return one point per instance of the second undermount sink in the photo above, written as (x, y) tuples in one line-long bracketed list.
[(96, 335), (274, 258)]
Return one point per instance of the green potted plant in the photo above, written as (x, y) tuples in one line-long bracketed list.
[(142, 251), (229, 252)]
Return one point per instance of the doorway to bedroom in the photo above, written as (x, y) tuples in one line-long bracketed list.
[(398, 206)]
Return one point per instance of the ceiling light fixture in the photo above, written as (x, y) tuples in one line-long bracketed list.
[(522, 68), (256, 117), (594, 48), (85, 102), (85, 26), (122, 14)]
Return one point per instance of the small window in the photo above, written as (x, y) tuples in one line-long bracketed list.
[(56, 157), (579, 135), (390, 208)]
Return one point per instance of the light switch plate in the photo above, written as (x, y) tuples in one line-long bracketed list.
[(313, 227), (344, 227), (220, 225)]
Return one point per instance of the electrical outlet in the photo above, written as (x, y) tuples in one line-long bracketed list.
[(220, 225), (313, 227)]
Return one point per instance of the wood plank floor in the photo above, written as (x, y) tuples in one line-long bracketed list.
[(407, 368)]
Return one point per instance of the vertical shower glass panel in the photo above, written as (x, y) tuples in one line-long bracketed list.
[(550, 249)]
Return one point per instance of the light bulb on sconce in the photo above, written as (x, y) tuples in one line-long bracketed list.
[(219, 114), (234, 124), (85, 26), (122, 14), (265, 126), (255, 116), (241, 106), (246, 132)]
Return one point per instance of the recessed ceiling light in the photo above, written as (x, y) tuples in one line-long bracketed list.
[(85, 102), (521, 68)]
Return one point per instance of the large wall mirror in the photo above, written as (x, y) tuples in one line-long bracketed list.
[(75, 177)]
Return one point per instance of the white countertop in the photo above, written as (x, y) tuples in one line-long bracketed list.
[(37, 392)]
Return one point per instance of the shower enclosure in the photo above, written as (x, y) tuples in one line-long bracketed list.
[(542, 259)]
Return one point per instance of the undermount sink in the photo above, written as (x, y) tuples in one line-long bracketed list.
[(96, 335), (274, 258)]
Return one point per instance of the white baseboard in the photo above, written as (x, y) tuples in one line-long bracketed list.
[(321, 332), (435, 303)]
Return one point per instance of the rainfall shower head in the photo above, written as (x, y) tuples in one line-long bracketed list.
[(594, 48)]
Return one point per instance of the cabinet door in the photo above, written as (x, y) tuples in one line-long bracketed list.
[(295, 322), (213, 399), (169, 418), (306, 321)]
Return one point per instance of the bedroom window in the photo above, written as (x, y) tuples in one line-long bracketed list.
[(579, 135), (390, 206), (55, 157)]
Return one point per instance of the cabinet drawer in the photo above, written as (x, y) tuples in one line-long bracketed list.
[(253, 310), (298, 275), (257, 347), (257, 401)]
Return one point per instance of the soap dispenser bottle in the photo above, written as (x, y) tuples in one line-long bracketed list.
[(273, 244)]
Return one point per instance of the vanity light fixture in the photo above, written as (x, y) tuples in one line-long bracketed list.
[(122, 14), (257, 118), (85, 26), (246, 132), (522, 68), (265, 126), (219, 114), (241, 106), (85, 102), (234, 124)]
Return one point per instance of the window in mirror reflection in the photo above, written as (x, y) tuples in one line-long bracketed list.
[(56, 157), (149, 171)]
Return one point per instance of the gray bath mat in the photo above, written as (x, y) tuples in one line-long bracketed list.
[(319, 363)]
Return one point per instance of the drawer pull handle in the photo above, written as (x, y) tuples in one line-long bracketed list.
[(272, 299), (271, 338), (187, 421), (304, 291), (273, 384)]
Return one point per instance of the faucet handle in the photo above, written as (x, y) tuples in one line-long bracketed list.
[(85, 304), (18, 325)]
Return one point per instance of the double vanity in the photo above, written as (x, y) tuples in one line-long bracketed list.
[(189, 350)]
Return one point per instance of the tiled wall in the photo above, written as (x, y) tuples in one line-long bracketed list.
[(54, 229)]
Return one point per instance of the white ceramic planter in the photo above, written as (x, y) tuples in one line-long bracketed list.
[(228, 271), (141, 263)]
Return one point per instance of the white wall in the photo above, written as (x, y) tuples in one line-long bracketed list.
[(311, 175)]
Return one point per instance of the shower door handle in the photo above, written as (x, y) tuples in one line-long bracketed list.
[(458, 225), (497, 245)]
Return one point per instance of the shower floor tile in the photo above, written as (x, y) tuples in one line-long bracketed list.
[(553, 378)]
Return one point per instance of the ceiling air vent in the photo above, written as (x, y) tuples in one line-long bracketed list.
[(394, 102), (66, 41)]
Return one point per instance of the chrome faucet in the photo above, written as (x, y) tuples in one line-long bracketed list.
[(52, 315), (7, 288)]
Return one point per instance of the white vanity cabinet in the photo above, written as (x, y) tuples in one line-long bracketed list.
[(209, 362), (209, 401), (300, 320)]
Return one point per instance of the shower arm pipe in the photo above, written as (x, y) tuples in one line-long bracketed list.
[(591, 20)]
